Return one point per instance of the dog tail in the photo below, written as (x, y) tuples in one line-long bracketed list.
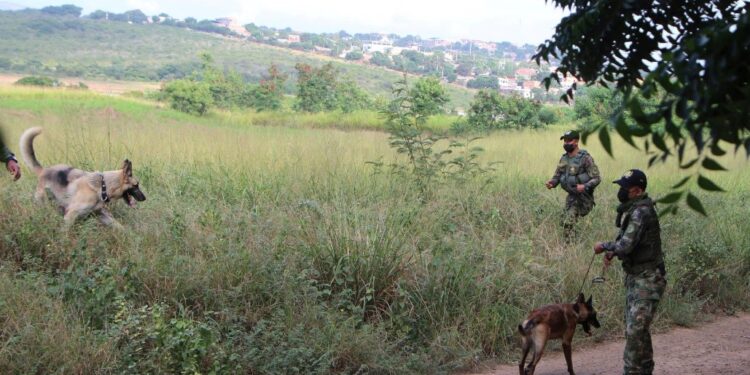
[(525, 327), (27, 149)]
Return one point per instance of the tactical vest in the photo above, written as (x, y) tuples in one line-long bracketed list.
[(573, 173), (646, 254)]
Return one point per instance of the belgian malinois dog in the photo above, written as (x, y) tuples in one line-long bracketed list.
[(554, 322), (78, 192)]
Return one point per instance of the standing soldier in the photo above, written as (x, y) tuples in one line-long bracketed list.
[(639, 248), (578, 175)]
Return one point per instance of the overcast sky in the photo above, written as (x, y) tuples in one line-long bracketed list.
[(515, 21)]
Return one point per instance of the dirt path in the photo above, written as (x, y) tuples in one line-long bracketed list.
[(720, 347)]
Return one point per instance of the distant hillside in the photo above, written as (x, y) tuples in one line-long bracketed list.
[(69, 46)]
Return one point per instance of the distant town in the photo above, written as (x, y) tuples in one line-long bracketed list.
[(474, 64)]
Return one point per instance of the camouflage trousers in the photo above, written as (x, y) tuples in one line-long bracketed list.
[(576, 206), (643, 292)]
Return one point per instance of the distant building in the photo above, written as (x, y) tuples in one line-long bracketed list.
[(525, 73), (231, 24), (383, 45), (531, 84), (506, 83), (293, 38)]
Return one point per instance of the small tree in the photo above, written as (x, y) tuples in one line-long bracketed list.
[(350, 97), (428, 96), (316, 88), (189, 96), (490, 111), (268, 95), (354, 56)]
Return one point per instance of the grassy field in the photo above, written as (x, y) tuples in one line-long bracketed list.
[(274, 249)]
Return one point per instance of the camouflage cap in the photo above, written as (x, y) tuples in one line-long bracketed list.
[(571, 134), (633, 177)]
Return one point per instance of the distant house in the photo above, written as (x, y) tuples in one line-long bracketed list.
[(231, 24), (531, 84), (324, 50), (383, 45), (293, 38), (435, 42), (506, 83), (525, 73)]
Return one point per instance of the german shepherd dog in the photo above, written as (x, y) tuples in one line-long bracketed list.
[(77, 192), (554, 322)]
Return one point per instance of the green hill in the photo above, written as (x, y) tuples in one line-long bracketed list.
[(37, 43)]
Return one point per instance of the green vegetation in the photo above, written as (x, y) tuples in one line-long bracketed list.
[(279, 250), (492, 111), (695, 77), (38, 81), (63, 46)]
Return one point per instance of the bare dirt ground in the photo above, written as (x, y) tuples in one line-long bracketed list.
[(103, 87), (719, 347)]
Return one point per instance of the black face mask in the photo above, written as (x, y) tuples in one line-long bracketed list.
[(622, 195), (569, 147)]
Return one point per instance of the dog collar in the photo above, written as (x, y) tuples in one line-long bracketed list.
[(105, 196)]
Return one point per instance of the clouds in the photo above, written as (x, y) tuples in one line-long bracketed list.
[(527, 21)]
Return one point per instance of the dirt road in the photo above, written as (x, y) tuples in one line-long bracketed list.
[(720, 347)]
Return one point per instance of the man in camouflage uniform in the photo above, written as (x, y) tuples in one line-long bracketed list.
[(638, 246), (7, 157), (578, 175)]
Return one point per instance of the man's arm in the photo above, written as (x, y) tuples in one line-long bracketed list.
[(630, 237), (555, 180), (5, 154), (593, 172)]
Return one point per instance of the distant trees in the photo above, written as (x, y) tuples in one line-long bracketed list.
[(189, 96), (319, 89), (63, 10), (490, 111), (483, 82), (428, 96), (268, 95), (381, 59), (354, 56), (38, 81)]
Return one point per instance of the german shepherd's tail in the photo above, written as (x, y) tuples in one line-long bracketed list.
[(525, 327), (27, 149)]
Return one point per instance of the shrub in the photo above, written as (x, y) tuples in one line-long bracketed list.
[(189, 96), (38, 81)]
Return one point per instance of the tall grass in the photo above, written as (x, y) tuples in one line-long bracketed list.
[(274, 249)]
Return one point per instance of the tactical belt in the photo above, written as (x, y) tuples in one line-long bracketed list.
[(638, 268)]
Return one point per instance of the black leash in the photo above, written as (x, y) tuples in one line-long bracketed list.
[(593, 256)]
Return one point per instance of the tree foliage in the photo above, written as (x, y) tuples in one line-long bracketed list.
[(268, 95), (320, 89), (491, 111), (693, 53), (316, 88), (189, 96), (63, 10)]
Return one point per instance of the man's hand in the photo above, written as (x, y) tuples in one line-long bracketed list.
[(549, 184), (599, 248), (14, 169), (580, 188), (608, 258)]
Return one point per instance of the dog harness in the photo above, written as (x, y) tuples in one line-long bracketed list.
[(105, 196)]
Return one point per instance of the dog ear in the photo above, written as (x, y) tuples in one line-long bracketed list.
[(127, 168), (589, 302), (581, 298)]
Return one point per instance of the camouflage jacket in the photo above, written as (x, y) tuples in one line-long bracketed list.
[(579, 169), (638, 244), (5, 154)]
